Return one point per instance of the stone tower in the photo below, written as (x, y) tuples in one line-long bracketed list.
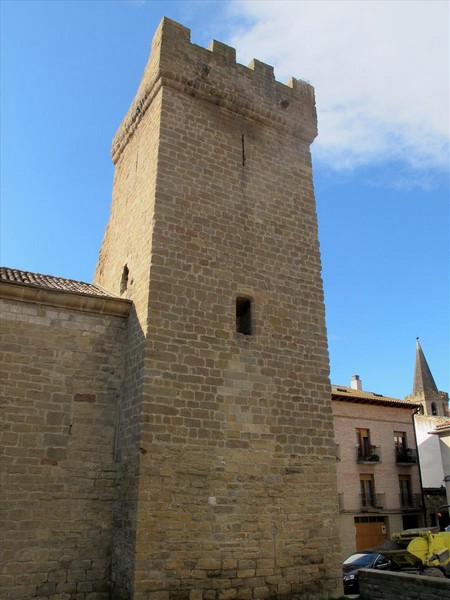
[(225, 445), (425, 392)]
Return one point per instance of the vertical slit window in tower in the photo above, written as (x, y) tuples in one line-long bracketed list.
[(244, 316), (243, 151), (124, 280)]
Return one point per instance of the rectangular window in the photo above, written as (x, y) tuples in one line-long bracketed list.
[(363, 443), (405, 490), (400, 440), (367, 490), (244, 316), (402, 453)]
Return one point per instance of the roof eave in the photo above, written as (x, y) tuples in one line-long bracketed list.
[(108, 305), (376, 401), (441, 431)]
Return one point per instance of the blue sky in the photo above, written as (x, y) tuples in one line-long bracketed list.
[(69, 71)]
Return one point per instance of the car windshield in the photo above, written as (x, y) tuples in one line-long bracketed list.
[(360, 559)]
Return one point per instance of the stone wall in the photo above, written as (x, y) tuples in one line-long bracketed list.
[(180, 458), (61, 377), (377, 585), (126, 249), (230, 436)]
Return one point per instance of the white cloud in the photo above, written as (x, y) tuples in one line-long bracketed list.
[(380, 69)]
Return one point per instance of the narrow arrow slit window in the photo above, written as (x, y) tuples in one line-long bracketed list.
[(244, 315)]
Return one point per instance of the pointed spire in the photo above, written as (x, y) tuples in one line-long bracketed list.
[(423, 379)]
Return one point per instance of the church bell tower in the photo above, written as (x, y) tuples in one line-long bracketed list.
[(425, 392)]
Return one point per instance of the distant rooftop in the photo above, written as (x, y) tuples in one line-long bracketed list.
[(50, 282), (441, 429), (340, 392)]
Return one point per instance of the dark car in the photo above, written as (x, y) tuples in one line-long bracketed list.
[(365, 559)]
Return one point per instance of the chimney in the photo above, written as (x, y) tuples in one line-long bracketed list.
[(356, 383)]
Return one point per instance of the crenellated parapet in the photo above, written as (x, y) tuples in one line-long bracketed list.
[(214, 76)]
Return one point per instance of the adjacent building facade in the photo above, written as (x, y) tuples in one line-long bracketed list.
[(378, 471), (61, 362), (168, 439), (442, 431), (393, 459)]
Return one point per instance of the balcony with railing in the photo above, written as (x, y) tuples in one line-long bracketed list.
[(368, 454), (369, 502), (405, 456), (377, 502), (410, 501)]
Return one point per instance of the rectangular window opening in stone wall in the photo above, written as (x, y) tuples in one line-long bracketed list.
[(244, 315)]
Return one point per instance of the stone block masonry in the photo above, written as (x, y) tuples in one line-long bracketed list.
[(61, 374), (226, 483), (376, 585), (173, 438)]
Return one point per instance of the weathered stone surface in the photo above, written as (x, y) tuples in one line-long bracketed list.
[(391, 586), (185, 452), (58, 466), (226, 440)]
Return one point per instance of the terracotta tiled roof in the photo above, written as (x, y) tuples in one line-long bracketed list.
[(340, 392), (441, 428), (49, 282)]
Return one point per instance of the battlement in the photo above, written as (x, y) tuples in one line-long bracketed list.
[(213, 75)]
